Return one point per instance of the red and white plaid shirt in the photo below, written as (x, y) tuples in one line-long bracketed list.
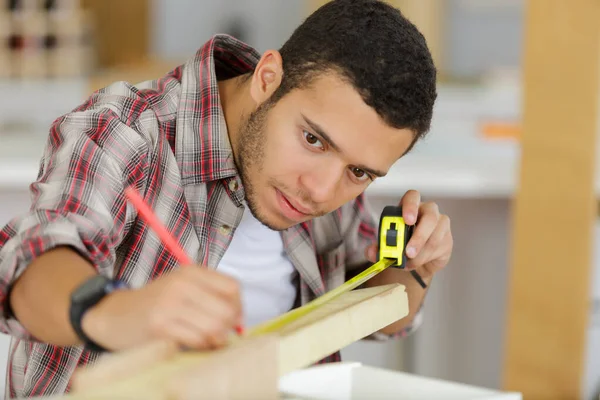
[(168, 138)]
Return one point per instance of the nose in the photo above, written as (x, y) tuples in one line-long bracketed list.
[(321, 184)]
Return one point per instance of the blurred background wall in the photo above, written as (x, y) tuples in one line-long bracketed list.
[(468, 163)]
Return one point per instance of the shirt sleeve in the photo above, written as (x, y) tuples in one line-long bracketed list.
[(361, 227), (77, 199)]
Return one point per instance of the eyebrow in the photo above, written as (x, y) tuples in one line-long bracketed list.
[(319, 131)]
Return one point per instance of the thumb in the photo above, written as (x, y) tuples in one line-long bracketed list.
[(371, 253)]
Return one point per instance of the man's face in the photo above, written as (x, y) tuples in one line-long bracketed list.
[(313, 151)]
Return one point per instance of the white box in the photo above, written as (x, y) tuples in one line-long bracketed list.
[(352, 381), (591, 385)]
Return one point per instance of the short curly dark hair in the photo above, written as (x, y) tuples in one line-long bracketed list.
[(376, 49)]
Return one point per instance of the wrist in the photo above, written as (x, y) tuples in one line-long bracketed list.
[(100, 322), (88, 303)]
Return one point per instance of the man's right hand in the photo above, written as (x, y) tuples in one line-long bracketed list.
[(193, 306)]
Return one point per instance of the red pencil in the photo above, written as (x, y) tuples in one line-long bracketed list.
[(151, 219)]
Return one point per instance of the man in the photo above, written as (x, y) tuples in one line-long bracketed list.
[(256, 164)]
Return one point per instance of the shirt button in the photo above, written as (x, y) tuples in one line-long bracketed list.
[(233, 185), (225, 229)]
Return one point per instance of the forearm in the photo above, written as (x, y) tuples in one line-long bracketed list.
[(40, 297), (416, 294)]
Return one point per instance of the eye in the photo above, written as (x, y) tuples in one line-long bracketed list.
[(360, 174), (312, 140)]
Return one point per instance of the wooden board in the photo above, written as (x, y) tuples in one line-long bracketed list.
[(554, 209), (340, 323), (162, 373), (230, 373)]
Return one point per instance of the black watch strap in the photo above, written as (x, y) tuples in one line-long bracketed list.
[(87, 295), (87, 342)]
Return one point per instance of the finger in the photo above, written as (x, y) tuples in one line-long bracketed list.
[(428, 221), (205, 328), (371, 253), (168, 326), (204, 298), (187, 335), (438, 246), (214, 278), (410, 203), (222, 285), (437, 260)]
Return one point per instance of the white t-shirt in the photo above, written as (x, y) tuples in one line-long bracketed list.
[(256, 257)]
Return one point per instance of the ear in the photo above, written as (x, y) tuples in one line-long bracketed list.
[(267, 76)]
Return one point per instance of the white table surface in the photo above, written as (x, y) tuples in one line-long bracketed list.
[(353, 381)]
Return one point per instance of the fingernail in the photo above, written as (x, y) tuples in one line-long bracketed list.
[(411, 251)]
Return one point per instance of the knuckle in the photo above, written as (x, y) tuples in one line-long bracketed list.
[(189, 273), (232, 288), (229, 315), (199, 340), (220, 339), (193, 341), (217, 332), (433, 206), (166, 295), (156, 324), (445, 219), (185, 274), (417, 241)]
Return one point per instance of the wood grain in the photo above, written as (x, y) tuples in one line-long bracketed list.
[(554, 209)]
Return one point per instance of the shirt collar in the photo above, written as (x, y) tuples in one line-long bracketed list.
[(202, 148)]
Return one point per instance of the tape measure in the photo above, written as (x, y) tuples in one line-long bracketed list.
[(393, 236)]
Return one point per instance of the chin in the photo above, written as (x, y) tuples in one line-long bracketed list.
[(268, 218), (275, 224), (276, 221)]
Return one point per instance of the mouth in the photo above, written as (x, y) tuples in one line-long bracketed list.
[(291, 208)]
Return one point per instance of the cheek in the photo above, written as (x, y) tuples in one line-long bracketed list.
[(347, 192), (285, 154)]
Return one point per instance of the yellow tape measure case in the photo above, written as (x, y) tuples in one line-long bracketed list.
[(394, 234)]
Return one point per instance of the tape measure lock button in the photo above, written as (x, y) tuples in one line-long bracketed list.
[(391, 235)]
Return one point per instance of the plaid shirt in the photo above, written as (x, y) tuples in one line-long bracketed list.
[(168, 138)]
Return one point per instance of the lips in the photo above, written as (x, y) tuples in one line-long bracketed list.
[(296, 206), (290, 209)]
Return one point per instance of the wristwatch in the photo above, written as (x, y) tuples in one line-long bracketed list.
[(84, 297)]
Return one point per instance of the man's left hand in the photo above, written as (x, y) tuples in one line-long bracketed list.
[(430, 246)]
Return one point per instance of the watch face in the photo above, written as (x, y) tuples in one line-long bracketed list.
[(90, 289)]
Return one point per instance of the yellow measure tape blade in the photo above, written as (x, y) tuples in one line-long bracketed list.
[(277, 323)]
